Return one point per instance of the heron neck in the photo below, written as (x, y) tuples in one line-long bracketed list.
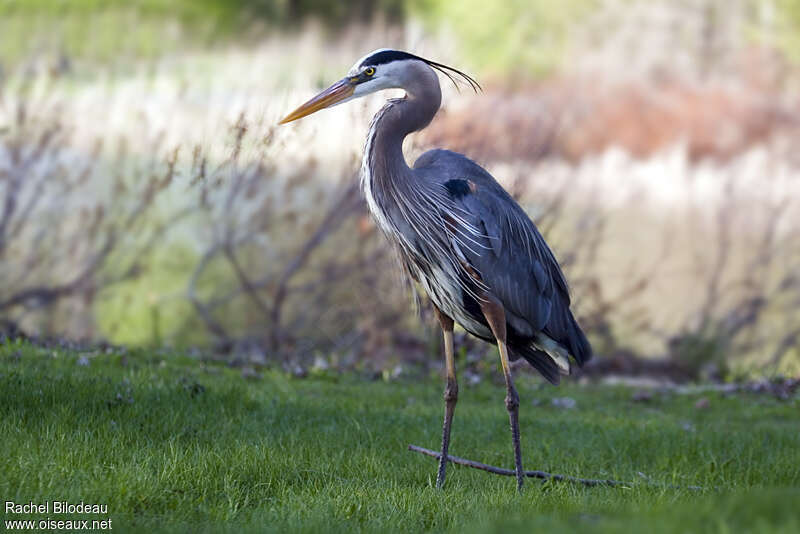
[(384, 164)]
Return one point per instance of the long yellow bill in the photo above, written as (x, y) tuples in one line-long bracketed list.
[(330, 96)]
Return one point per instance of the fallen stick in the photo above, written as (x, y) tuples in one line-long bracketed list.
[(532, 474)]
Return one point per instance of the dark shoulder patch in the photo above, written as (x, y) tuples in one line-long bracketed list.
[(458, 188), (387, 56)]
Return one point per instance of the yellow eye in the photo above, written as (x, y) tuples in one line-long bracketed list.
[(369, 71)]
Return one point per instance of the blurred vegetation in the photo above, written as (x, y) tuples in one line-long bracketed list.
[(524, 37), (227, 13), (149, 309), (788, 34), (517, 36), (241, 271), (104, 29)]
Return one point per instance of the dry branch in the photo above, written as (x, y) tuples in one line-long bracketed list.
[(510, 473), (532, 474)]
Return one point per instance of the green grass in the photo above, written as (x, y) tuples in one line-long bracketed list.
[(170, 444)]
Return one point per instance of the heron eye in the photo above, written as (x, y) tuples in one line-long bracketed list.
[(369, 71)]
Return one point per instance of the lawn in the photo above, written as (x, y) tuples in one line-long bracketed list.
[(172, 444)]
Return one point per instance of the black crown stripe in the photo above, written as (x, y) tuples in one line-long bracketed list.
[(387, 56)]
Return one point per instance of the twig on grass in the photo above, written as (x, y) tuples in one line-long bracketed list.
[(532, 474), (510, 472)]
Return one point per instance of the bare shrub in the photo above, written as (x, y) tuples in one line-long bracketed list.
[(682, 244), (291, 265), (71, 224), (700, 269), (746, 274)]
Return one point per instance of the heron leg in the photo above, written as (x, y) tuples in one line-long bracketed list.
[(496, 317), (450, 392)]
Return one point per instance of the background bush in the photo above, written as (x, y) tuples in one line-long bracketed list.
[(147, 197)]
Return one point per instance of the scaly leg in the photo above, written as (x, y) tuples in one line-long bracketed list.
[(450, 392), (512, 406), (496, 317)]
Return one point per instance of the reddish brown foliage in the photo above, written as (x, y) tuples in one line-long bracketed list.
[(572, 118)]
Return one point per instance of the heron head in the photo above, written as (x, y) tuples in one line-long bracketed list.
[(382, 69)]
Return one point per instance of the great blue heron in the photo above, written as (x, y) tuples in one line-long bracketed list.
[(459, 234)]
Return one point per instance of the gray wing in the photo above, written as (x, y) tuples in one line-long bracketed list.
[(517, 265), (511, 257)]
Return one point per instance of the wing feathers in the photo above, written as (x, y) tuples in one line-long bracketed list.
[(522, 272), (514, 263)]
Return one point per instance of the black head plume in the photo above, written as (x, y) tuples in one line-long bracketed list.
[(387, 56)]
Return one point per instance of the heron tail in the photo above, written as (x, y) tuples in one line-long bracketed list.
[(540, 360), (576, 343), (549, 354), (563, 337)]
